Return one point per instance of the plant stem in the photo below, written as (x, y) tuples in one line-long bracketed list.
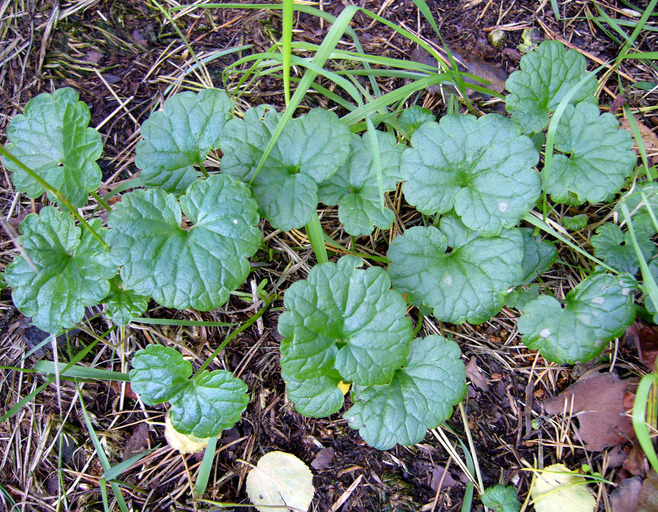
[(316, 237), (60, 198), (266, 304), (101, 201), (203, 171)]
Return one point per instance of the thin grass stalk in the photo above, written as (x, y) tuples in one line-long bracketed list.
[(286, 45)]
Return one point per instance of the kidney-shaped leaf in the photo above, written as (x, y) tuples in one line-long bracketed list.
[(596, 311), (545, 77), (598, 157), (179, 137), (211, 402), (310, 150), (420, 396), (124, 305), (615, 247), (483, 168), (346, 323), (413, 118), (354, 188), (69, 270), (501, 499), (53, 139), (180, 267), (159, 374), (280, 479), (467, 284), (202, 406)]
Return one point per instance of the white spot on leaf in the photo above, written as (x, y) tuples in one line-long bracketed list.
[(625, 291), (598, 300), (503, 206), (235, 221), (545, 333), (447, 280)]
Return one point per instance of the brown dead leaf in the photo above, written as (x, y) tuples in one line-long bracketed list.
[(137, 442), (596, 401), (473, 373), (649, 137), (648, 499), (624, 497), (636, 462), (645, 338), (323, 459), (441, 479)]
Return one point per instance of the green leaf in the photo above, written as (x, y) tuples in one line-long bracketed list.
[(179, 137), (310, 150), (70, 270), (519, 297), (598, 157), (319, 396), (615, 247), (575, 223), (354, 187), (203, 406), (124, 305), (3, 284), (455, 230), (538, 255), (413, 118), (596, 311), (639, 207), (212, 402), (198, 266), (53, 139), (420, 396), (159, 374), (342, 323), (467, 284), (545, 78), (483, 168), (501, 499)]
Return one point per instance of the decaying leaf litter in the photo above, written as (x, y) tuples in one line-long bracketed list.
[(129, 52)]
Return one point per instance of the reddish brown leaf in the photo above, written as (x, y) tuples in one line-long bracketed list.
[(323, 459), (597, 403), (441, 479), (645, 338), (624, 498), (473, 373), (648, 500)]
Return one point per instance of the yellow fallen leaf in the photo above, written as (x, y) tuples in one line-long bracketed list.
[(181, 442), (344, 387), (280, 479), (557, 489)]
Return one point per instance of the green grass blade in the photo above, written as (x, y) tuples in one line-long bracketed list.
[(115, 471), (637, 135), (286, 45), (643, 396), (316, 237), (79, 372), (376, 160), (206, 466)]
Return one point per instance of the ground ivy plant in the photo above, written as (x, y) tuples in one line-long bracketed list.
[(185, 236)]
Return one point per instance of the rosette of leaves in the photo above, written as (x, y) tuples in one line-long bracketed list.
[(596, 157), (123, 304), (177, 139), (596, 311), (421, 395), (467, 284), (310, 150), (341, 324), (482, 168), (54, 140), (202, 406), (196, 265), (64, 269), (355, 187), (546, 76)]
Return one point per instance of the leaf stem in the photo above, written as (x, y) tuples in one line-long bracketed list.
[(266, 304), (203, 170), (60, 198), (101, 201), (316, 237)]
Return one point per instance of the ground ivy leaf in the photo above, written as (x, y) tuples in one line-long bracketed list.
[(596, 311), (413, 118), (53, 139), (538, 255), (354, 187), (483, 168), (310, 150), (72, 270), (575, 223), (467, 284), (520, 296), (345, 320), (179, 137), (420, 396), (455, 230), (545, 78), (124, 305), (159, 374), (598, 157), (615, 247), (179, 267), (639, 207), (211, 402), (318, 397), (501, 499)]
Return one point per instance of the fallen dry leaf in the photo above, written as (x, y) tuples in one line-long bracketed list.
[(597, 402), (648, 499), (645, 338), (473, 373), (624, 498), (558, 489), (323, 459), (636, 461), (441, 479), (649, 138), (137, 442)]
